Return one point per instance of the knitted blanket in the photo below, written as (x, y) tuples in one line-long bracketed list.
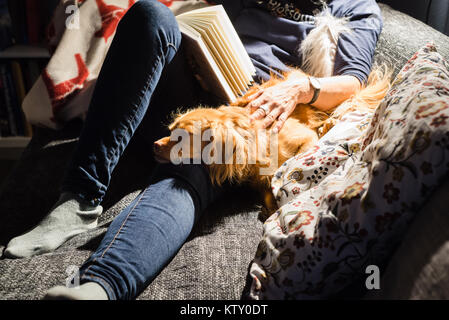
[(79, 37)]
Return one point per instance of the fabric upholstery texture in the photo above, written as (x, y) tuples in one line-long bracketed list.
[(214, 263)]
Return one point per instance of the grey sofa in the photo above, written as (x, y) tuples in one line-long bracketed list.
[(433, 12), (213, 263)]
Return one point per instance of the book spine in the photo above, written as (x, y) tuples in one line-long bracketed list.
[(5, 25), (5, 74), (12, 104), (33, 18), (33, 73), (19, 83), (5, 129), (18, 80), (48, 9), (18, 18)]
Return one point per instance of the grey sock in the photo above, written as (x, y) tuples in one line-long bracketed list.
[(86, 291), (70, 216)]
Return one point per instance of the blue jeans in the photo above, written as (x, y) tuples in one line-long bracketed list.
[(149, 232), (143, 79)]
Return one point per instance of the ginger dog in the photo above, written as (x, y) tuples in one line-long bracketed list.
[(253, 154)]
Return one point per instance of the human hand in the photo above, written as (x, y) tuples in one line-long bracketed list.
[(276, 103)]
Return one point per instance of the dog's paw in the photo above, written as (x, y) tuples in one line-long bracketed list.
[(329, 123)]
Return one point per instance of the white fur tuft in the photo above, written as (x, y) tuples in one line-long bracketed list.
[(320, 46)]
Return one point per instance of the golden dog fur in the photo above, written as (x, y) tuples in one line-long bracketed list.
[(300, 132)]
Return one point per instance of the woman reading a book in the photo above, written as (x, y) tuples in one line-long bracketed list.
[(143, 79)]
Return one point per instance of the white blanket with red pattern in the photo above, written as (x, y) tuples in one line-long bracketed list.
[(79, 38)]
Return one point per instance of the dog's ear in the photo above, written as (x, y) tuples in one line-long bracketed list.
[(233, 144), (243, 151)]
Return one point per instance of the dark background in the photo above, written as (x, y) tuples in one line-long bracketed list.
[(433, 12)]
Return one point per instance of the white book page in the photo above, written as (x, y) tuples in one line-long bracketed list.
[(231, 50), (229, 31), (202, 55), (213, 41), (227, 50)]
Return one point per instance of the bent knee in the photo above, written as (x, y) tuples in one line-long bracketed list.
[(152, 19)]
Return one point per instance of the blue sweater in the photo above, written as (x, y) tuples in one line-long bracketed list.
[(272, 30)]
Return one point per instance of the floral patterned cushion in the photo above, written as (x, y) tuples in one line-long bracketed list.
[(346, 204)]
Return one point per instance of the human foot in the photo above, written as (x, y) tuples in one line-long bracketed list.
[(70, 216), (86, 291)]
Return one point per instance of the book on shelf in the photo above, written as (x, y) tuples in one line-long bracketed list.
[(11, 101), (12, 92), (16, 79), (6, 38), (215, 52), (5, 128), (17, 11), (34, 22), (22, 33), (21, 91), (31, 72), (27, 21)]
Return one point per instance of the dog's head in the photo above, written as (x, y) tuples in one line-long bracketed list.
[(224, 139)]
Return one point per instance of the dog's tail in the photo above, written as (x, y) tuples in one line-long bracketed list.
[(320, 46), (370, 96)]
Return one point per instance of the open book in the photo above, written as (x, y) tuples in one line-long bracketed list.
[(215, 52)]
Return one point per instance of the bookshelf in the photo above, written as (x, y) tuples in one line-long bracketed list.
[(12, 147), (22, 57), (24, 52)]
